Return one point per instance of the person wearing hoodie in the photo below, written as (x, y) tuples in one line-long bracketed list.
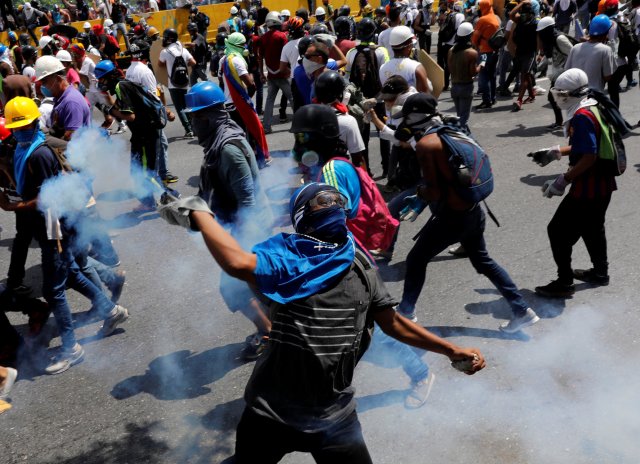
[(487, 25), (230, 184)]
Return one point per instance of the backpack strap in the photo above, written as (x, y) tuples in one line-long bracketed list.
[(362, 265)]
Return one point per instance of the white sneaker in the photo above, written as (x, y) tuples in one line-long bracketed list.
[(122, 128), (419, 392), (65, 360), (519, 323), (8, 382), (539, 90), (110, 324)]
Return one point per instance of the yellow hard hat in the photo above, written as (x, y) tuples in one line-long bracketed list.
[(20, 112), (152, 31)]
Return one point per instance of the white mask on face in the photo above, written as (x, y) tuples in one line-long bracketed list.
[(310, 66)]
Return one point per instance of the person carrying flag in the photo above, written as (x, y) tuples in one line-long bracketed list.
[(239, 87)]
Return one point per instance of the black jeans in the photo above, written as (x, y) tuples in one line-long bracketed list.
[(177, 97), (614, 83), (199, 71), (25, 225), (443, 55), (575, 219), (259, 439)]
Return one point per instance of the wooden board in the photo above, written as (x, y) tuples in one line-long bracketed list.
[(161, 73), (434, 72)]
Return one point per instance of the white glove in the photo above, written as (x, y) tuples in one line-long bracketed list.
[(554, 187), (546, 155), (177, 212)]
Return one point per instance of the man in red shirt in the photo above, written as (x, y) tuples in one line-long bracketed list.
[(342, 26), (271, 45)]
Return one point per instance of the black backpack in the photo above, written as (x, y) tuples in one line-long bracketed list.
[(154, 112), (497, 39), (448, 29), (364, 71), (628, 43), (179, 71)]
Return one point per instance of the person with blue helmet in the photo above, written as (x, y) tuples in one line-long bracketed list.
[(594, 57), (230, 184), (131, 106), (324, 297)]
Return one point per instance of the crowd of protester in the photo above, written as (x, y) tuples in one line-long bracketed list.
[(315, 296)]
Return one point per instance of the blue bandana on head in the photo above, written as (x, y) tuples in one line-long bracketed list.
[(295, 266)]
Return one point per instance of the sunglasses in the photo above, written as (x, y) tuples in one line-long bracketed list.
[(328, 199)]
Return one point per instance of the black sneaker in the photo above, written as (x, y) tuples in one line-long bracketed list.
[(21, 290), (169, 178), (255, 344), (590, 276), (556, 289), (484, 106)]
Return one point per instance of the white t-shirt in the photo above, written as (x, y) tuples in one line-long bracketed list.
[(459, 19), (140, 73), (350, 133), (384, 38), (88, 69), (405, 67), (381, 54), (31, 74), (290, 53), (168, 56), (153, 5), (241, 69)]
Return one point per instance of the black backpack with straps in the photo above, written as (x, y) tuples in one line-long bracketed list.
[(365, 71), (179, 71)]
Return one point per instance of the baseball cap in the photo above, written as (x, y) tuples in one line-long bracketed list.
[(419, 103)]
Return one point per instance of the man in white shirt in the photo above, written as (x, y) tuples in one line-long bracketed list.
[(173, 49), (385, 36)]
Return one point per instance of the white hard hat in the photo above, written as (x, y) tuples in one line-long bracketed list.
[(44, 41), (47, 65), (571, 79), (273, 19), (285, 13), (63, 56), (399, 35), (426, 3), (545, 22), (464, 29), (233, 10), (107, 23), (86, 25), (320, 11)]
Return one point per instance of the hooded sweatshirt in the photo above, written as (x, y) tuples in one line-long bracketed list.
[(486, 26)]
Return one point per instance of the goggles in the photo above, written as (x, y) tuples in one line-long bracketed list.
[(328, 199)]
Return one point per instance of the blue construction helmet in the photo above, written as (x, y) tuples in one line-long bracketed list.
[(203, 95), (600, 25), (3, 48), (104, 68)]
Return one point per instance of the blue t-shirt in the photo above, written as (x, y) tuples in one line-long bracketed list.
[(343, 176), (304, 84)]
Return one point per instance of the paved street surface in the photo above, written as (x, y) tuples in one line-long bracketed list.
[(167, 387)]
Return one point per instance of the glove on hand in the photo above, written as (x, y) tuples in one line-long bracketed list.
[(554, 187), (546, 155), (177, 212), (414, 205)]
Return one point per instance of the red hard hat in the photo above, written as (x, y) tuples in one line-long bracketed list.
[(610, 4), (4, 132)]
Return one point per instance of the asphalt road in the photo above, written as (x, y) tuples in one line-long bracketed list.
[(167, 387)]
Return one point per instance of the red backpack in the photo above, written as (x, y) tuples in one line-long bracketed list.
[(373, 227)]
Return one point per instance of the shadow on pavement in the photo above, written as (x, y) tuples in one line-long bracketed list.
[(137, 445), (521, 131), (537, 181), (182, 374), (380, 400)]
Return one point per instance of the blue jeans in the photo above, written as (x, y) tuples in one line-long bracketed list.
[(443, 229), (487, 77), (503, 66), (162, 148), (386, 351), (462, 95)]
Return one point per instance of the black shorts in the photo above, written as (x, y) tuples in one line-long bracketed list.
[(527, 63)]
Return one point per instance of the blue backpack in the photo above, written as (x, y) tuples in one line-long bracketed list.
[(468, 162)]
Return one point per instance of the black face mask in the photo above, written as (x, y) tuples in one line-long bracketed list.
[(201, 128)]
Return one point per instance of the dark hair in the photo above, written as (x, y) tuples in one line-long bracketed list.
[(394, 13)]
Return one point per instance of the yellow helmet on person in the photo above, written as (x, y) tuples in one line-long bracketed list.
[(20, 112)]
